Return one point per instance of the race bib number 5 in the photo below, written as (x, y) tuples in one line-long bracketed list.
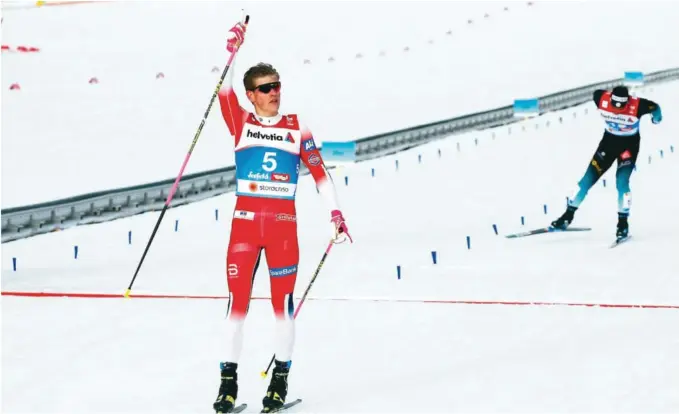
[(269, 163)]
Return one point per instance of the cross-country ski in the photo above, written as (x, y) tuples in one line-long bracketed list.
[(284, 407), (544, 230)]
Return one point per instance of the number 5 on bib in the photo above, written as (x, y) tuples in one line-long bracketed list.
[(269, 164)]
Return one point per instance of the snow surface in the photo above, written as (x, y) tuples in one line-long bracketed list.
[(63, 137), (358, 348)]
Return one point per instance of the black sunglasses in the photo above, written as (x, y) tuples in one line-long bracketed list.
[(267, 87)]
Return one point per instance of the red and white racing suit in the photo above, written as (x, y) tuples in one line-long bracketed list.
[(268, 151)]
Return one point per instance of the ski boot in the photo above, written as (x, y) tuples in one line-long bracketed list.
[(623, 227), (565, 220), (278, 388), (228, 390)]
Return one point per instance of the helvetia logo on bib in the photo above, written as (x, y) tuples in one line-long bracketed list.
[(260, 135)]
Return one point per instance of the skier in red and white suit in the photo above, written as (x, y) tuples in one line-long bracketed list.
[(268, 150)]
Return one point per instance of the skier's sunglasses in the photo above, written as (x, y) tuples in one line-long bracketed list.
[(268, 87)]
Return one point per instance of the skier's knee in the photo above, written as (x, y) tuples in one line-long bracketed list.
[(238, 306), (588, 180), (283, 305)]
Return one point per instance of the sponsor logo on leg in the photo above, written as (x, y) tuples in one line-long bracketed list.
[(232, 271), (283, 271), (285, 217), (596, 166), (245, 215)]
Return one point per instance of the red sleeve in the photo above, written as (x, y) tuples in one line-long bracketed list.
[(311, 157), (233, 113)]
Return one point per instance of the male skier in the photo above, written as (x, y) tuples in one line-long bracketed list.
[(620, 142), (268, 150)]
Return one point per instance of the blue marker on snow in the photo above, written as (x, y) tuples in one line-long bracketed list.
[(372, 172), (129, 237), (433, 256), (14, 263), (398, 272), (346, 180), (495, 228), (75, 251), (469, 243), (176, 225)]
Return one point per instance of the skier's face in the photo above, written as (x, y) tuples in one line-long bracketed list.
[(266, 96)]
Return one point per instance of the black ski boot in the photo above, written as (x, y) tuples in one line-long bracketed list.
[(278, 388), (623, 227), (565, 220), (228, 390)]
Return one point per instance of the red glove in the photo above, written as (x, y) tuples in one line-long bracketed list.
[(341, 230), (236, 37)]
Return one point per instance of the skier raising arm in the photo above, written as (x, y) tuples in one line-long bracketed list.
[(235, 116), (268, 149)]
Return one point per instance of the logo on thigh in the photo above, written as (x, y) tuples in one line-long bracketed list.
[(625, 159), (596, 166), (285, 217), (283, 271), (232, 271)]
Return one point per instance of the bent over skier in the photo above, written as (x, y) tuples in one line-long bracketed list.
[(620, 141), (268, 150)]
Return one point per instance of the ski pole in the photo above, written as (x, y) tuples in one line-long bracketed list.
[(318, 269), (186, 161)]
